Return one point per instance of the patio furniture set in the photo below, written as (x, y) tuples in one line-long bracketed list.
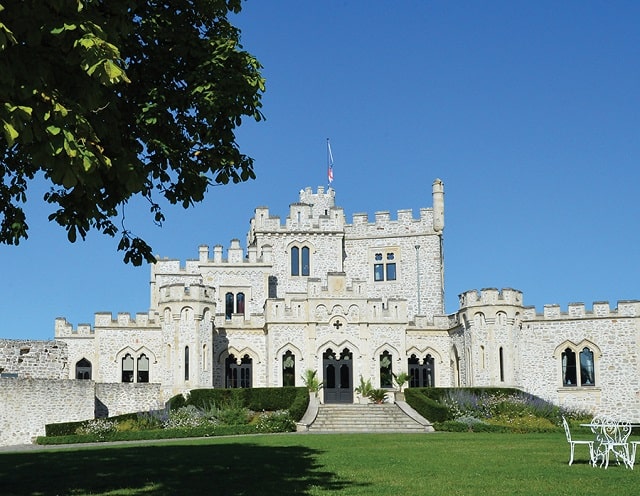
[(611, 441)]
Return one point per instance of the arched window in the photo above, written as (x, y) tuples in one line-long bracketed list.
[(240, 303), (587, 369), (228, 306), (83, 369), (127, 368), (186, 363), (501, 318), (300, 261), (295, 261), (429, 371), (305, 261), (288, 369), (422, 375), (386, 370), (238, 375), (246, 371), (143, 368), (569, 376)]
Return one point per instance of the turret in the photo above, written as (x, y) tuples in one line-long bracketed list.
[(438, 205)]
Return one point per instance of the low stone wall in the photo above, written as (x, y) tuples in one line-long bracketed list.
[(27, 405), (123, 397)]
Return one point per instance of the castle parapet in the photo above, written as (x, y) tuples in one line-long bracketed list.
[(65, 329), (600, 309), (490, 296), (186, 292), (404, 223)]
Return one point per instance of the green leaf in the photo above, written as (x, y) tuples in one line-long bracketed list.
[(71, 234), (10, 133), (53, 130)]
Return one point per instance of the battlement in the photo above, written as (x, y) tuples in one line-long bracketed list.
[(235, 256), (600, 309), (404, 223), (65, 329), (490, 296), (314, 211), (105, 319), (186, 293)]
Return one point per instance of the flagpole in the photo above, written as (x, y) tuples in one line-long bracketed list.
[(329, 164)]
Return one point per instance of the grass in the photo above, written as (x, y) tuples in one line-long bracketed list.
[(349, 464)]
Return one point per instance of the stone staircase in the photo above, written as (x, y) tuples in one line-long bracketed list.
[(388, 417)]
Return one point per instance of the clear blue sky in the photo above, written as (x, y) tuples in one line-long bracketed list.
[(529, 111)]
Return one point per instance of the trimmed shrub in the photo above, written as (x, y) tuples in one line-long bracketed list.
[(429, 408)]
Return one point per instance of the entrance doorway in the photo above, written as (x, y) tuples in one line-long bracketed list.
[(338, 376)]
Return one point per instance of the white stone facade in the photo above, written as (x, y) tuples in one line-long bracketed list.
[(364, 298)]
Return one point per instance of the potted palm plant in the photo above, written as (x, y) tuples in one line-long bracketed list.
[(364, 390), (401, 379), (311, 381), (378, 396)]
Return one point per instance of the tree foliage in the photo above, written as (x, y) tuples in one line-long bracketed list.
[(110, 99)]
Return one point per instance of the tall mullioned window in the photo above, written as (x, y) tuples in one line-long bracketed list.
[(578, 367), (300, 261), (233, 304), (384, 266), (135, 368)]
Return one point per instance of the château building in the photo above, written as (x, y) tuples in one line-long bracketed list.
[(348, 298)]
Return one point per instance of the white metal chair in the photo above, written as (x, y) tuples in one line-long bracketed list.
[(573, 443), (611, 437), (632, 457)]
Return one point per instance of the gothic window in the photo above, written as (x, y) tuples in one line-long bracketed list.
[(288, 369), (127, 368), (295, 261), (186, 363), (578, 366), (240, 303), (228, 306), (384, 266), (300, 261), (238, 375), (386, 371), (143, 368), (83, 369), (421, 374), (587, 371), (233, 304), (569, 368)]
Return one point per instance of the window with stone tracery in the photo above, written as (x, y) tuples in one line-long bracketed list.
[(384, 266), (578, 367)]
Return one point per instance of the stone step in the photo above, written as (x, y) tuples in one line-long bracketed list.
[(364, 418)]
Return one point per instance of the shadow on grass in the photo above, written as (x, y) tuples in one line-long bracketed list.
[(223, 469)]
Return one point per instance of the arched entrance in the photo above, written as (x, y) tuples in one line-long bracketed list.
[(338, 376)]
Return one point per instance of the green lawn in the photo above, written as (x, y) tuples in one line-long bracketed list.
[(365, 464)]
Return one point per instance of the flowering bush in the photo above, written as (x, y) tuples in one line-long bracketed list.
[(278, 421), (98, 427), (187, 416)]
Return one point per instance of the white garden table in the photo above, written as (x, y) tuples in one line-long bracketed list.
[(612, 438)]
